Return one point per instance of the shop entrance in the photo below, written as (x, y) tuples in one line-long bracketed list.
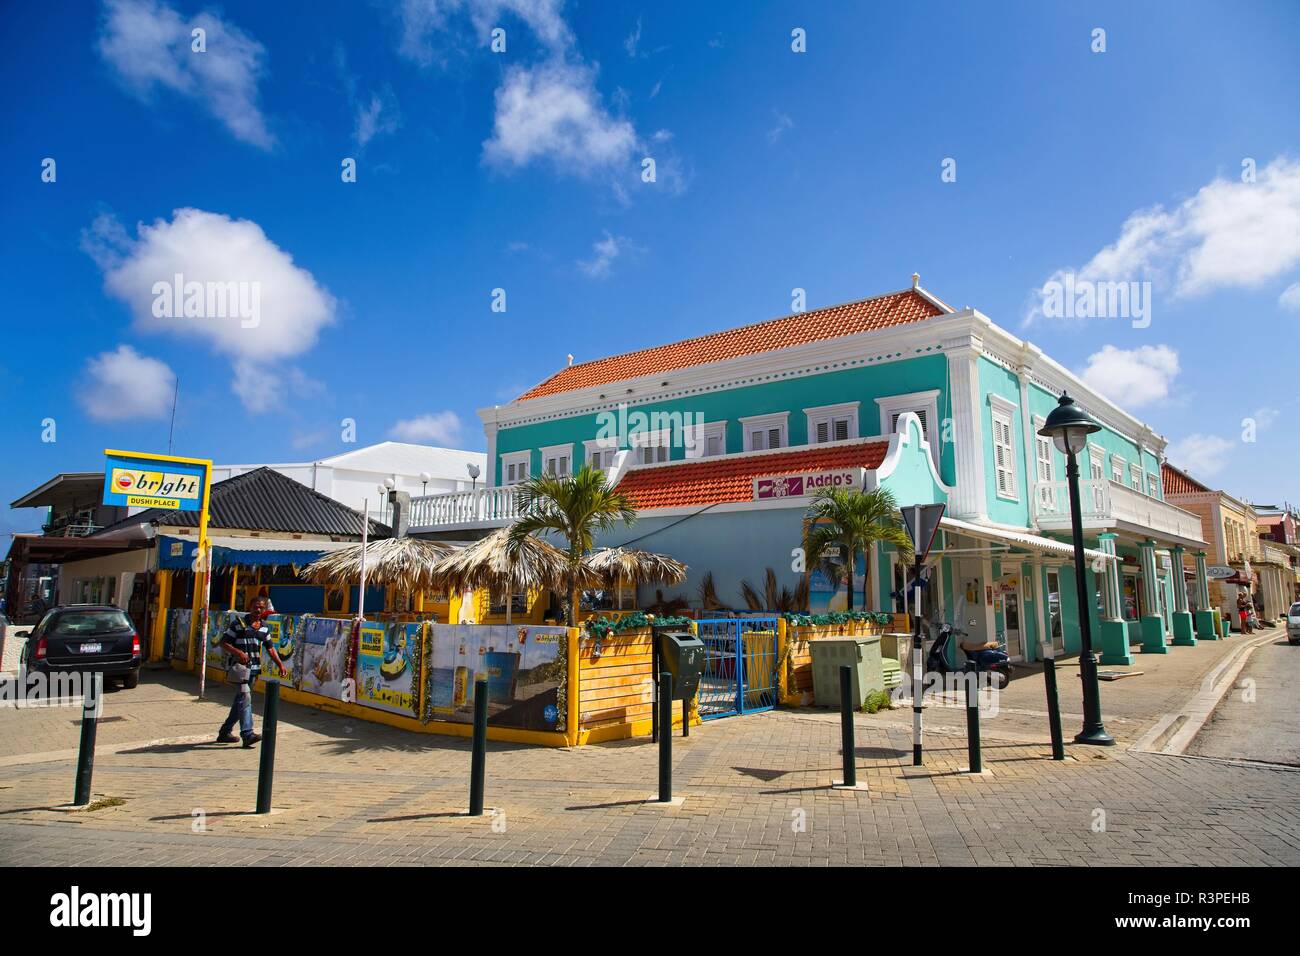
[(740, 675), (1011, 623)]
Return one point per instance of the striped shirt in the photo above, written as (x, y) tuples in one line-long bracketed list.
[(250, 641)]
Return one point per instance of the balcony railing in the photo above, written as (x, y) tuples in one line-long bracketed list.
[(1105, 503), (481, 508)]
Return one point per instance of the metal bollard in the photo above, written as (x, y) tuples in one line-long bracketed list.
[(846, 726), (92, 704), (1053, 708), (478, 760), (666, 737), (266, 762), (973, 723)]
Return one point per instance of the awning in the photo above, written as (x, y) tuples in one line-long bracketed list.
[(178, 553), (1020, 539)]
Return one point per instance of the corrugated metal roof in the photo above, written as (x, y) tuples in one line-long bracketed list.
[(264, 500)]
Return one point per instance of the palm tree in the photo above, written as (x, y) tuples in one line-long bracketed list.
[(575, 506), (852, 520)]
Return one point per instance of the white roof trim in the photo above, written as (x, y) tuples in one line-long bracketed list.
[(1020, 539)]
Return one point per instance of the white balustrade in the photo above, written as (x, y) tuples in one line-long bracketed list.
[(482, 507), (1104, 502)]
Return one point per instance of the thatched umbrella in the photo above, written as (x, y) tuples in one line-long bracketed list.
[(620, 566), (405, 564), (494, 562)]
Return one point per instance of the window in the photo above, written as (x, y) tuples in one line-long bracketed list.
[(1117, 469), (1153, 486), (765, 432), (515, 467), (652, 447), (1004, 455), (832, 423), (707, 440), (599, 452), (1135, 476), (925, 405), (556, 460), (1044, 468)]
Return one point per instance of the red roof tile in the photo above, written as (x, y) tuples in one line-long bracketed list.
[(1178, 482), (718, 480), (867, 315)]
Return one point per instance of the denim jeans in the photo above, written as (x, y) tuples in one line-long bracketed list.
[(241, 712)]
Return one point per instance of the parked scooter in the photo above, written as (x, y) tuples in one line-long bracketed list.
[(995, 662)]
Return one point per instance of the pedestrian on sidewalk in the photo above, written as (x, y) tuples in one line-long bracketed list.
[(1243, 612), (243, 642)]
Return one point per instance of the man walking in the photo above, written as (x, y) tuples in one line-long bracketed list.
[(244, 641)]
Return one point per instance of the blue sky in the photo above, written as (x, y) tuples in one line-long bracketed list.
[(521, 171)]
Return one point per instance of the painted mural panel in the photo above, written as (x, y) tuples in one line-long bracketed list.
[(525, 667), (387, 661), (323, 644)]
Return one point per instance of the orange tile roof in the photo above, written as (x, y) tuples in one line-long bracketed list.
[(718, 480), (1178, 482), (867, 315)]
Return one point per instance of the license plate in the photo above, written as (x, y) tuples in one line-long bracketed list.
[(91, 648)]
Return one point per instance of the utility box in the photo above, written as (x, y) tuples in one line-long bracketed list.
[(682, 655), (860, 653)]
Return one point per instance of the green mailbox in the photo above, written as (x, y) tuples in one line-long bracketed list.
[(682, 655)]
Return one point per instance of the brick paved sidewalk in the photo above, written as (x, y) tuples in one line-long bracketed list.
[(756, 788)]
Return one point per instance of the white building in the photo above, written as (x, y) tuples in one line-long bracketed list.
[(353, 477)]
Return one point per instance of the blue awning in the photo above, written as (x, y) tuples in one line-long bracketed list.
[(178, 553)]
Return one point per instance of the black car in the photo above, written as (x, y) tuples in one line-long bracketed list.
[(85, 637)]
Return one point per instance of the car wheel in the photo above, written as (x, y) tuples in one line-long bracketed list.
[(131, 680)]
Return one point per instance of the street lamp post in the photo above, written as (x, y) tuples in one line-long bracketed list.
[(1069, 427)]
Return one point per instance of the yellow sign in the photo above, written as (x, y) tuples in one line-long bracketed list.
[(147, 487)]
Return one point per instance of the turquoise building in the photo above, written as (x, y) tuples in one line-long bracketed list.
[(722, 439)]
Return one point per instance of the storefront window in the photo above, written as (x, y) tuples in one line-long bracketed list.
[(1054, 625), (1131, 610)]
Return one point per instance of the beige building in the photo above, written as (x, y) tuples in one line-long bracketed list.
[(1230, 528)]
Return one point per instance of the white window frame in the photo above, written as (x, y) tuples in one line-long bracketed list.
[(707, 432), (554, 453), (1135, 476), (926, 401), (1120, 464), (524, 458), (765, 424), (661, 439), (608, 448), (1046, 483), (1003, 412), (828, 415), (1153, 486)]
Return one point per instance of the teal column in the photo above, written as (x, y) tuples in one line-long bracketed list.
[(1114, 637), (1152, 624), (1184, 633)]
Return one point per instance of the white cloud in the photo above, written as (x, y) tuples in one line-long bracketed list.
[(633, 39), (603, 253), (1230, 234), (1290, 297), (553, 112), (261, 388), (1265, 416), (216, 251), (377, 116), (438, 428), (1132, 377), (421, 19), (149, 46), (1200, 455), (783, 123), (124, 384)]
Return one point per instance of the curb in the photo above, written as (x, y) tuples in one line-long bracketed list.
[(1173, 733)]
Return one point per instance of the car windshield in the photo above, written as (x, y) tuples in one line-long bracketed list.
[(1295, 610), (76, 623)]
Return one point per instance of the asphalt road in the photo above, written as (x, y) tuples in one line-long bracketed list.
[(1268, 728)]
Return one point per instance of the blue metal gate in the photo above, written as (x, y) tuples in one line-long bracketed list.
[(739, 666)]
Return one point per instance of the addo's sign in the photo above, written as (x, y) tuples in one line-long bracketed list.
[(803, 484)]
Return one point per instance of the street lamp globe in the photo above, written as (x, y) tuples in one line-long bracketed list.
[(1069, 426)]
